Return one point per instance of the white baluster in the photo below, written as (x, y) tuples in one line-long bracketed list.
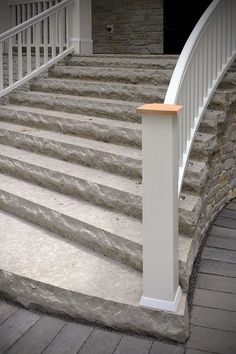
[(53, 34), (19, 50), (1, 65), (10, 62), (60, 30), (37, 44), (28, 50)]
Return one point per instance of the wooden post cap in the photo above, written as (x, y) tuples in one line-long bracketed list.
[(159, 108)]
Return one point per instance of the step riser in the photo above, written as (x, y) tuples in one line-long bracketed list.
[(91, 192), (109, 75), (85, 156), (100, 132), (133, 319), (87, 89), (73, 105), (100, 241), (134, 63)]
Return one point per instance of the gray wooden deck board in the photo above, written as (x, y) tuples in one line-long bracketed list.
[(216, 282), (133, 345), (6, 311), (219, 255), (13, 328), (214, 299), (223, 232), (220, 242), (213, 318), (166, 348), (69, 340), (225, 222), (101, 342), (37, 338), (214, 340), (217, 268)]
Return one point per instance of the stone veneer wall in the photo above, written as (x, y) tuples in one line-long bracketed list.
[(220, 182), (137, 26)]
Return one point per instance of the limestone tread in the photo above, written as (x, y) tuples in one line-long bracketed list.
[(97, 186), (113, 222), (120, 91), (101, 107), (116, 149), (92, 127), (109, 74), (62, 277)]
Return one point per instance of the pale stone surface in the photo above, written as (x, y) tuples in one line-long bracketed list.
[(71, 280), (189, 212), (109, 74), (195, 176), (108, 90), (102, 129), (99, 187), (112, 109), (111, 157), (113, 234), (125, 61)]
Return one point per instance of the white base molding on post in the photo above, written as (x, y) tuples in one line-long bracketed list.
[(171, 306)]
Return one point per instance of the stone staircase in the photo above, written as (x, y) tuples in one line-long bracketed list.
[(70, 191)]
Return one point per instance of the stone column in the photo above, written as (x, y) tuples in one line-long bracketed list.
[(81, 26)]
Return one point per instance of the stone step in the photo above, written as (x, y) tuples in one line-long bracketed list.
[(110, 74), (101, 188), (212, 121), (106, 90), (110, 233), (195, 176), (61, 277), (204, 145), (99, 107), (159, 62), (189, 212), (101, 129), (222, 99), (228, 81), (114, 158)]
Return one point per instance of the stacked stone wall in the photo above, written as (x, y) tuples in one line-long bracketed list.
[(137, 26)]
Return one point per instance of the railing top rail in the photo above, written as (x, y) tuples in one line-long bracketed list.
[(187, 52), (26, 24)]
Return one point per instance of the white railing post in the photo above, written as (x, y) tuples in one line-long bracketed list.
[(161, 288), (81, 26)]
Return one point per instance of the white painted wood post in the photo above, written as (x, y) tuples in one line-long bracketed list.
[(161, 288), (81, 26)]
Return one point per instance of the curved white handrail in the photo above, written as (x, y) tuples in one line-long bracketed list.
[(204, 59), (34, 45)]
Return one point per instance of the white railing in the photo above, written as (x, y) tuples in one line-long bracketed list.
[(34, 45), (205, 58), (168, 134), (23, 10)]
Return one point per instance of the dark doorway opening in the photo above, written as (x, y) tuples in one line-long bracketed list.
[(180, 17)]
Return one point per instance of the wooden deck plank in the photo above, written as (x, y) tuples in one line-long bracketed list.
[(213, 318), (219, 231), (6, 311), (216, 282), (101, 342), (165, 348), (228, 213), (219, 255), (69, 340), (214, 299), (133, 345), (13, 328), (195, 351), (225, 222), (231, 206), (217, 268), (38, 337), (222, 243), (212, 340)]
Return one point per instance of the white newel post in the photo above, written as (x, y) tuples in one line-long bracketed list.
[(161, 288), (81, 26)]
